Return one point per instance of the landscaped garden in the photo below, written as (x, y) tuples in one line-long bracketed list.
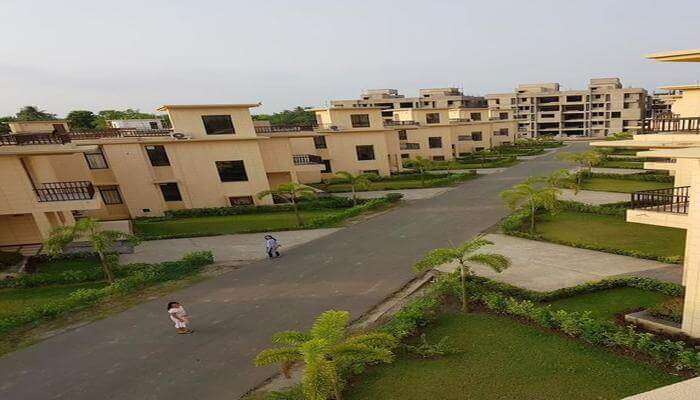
[(396, 182), (621, 185)]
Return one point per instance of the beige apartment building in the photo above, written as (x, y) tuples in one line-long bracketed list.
[(674, 140), (543, 109)]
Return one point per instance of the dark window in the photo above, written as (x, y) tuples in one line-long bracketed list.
[(615, 114), (170, 192), (477, 136), (231, 171), (405, 155), (503, 115), (503, 131), (403, 135), (359, 120), (479, 148), (157, 155), (475, 116), (96, 160), (438, 158), (153, 125), (464, 137), (326, 166), (432, 118), (320, 142), (241, 201), (218, 124), (365, 152), (59, 128), (110, 195), (627, 105), (435, 142)]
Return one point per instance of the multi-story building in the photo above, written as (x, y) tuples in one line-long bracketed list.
[(660, 103), (543, 109), (674, 140)]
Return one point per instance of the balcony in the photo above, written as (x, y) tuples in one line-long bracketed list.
[(306, 159), (672, 124), (65, 191), (29, 139), (401, 123), (661, 207), (409, 146), (284, 128)]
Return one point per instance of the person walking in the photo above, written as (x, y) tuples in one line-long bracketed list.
[(272, 246), (179, 316)]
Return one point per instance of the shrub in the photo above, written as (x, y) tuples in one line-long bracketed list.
[(413, 316), (649, 176), (330, 220), (319, 203), (425, 349), (10, 258), (670, 310), (394, 197)]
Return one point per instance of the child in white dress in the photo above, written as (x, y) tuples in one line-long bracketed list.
[(179, 316)]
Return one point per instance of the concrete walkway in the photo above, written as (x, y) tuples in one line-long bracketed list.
[(686, 390), (594, 197), (408, 194), (240, 247), (137, 355), (545, 266)]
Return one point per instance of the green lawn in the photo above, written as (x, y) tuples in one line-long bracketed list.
[(612, 232), (385, 185), (13, 301), (227, 224), (621, 164), (622, 185), (60, 266), (476, 165), (607, 304), (503, 359)]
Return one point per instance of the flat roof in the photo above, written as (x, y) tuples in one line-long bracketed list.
[(347, 108), (680, 87), (692, 55), (44, 121), (197, 106)]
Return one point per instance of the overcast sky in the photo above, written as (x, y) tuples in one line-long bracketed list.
[(65, 55)]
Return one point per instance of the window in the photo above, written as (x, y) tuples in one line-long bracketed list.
[(365, 152), (547, 115), (463, 138), (320, 142), (110, 195), (503, 115), (359, 120), (512, 100), (231, 171), (438, 158), (478, 148), (405, 155), (435, 142), (432, 118), (371, 171), (218, 124), (96, 160), (326, 166), (475, 116), (503, 131), (615, 114), (58, 128), (170, 192), (157, 155), (403, 135), (153, 125), (627, 105), (477, 136), (241, 201)]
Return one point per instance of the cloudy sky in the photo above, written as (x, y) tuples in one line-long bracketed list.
[(75, 54)]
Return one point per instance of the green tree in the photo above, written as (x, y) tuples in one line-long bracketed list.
[(88, 229), (586, 160), (33, 113), (298, 116), (534, 193), (359, 181), (327, 352), (129, 113), (466, 255), (291, 192), (563, 178), (81, 119), (4, 127), (422, 165)]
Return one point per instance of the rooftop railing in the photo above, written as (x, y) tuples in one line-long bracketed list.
[(306, 159), (672, 123), (28, 139), (671, 200), (65, 191), (400, 123), (284, 128), (119, 133)]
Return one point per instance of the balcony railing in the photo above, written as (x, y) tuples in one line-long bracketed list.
[(672, 124), (409, 146), (671, 200), (400, 123), (119, 133), (459, 120), (283, 128), (65, 191), (27, 139), (306, 159)]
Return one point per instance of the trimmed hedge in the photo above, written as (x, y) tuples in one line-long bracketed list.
[(372, 204), (670, 310), (645, 176), (67, 277), (81, 298)]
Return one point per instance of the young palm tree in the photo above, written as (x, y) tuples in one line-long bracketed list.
[(563, 178), (534, 193), (359, 181), (586, 159), (291, 192), (327, 352), (89, 229), (422, 165), (466, 255)]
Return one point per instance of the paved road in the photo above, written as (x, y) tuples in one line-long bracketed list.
[(136, 355)]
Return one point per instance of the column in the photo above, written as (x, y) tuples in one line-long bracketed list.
[(691, 273)]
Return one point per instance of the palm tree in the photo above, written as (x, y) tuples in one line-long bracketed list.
[(587, 159), (358, 181), (102, 241), (422, 165), (466, 255), (291, 192), (327, 352), (534, 193), (563, 178)]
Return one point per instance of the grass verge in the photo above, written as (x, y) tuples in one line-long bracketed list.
[(621, 185)]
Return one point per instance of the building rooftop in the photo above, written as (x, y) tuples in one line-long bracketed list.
[(676, 56), (197, 106)]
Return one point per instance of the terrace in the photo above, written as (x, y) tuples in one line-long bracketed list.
[(283, 128), (400, 123), (306, 159), (65, 191), (672, 124), (662, 207), (33, 139)]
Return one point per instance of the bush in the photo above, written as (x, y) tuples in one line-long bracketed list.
[(669, 310), (394, 197), (10, 258), (330, 220), (320, 203), (425, 349), (645, 176)]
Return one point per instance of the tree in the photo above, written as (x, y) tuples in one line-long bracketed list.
[(130, 113), (605, 152), (298, 116), (82, 119), (534, 193), (422, 165), (563, 178), (327, 352), (466, 255), (89, 229), (355, 181), (587, 159), (4, 127), (291, 192), (33, 113)]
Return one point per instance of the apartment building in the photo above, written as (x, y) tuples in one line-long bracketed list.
[(660, 103), (674, 141), (543, 109)]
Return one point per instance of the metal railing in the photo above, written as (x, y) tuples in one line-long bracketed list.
[(400, 123), (409, 146), (671, 200), (65, 191), (672, 124), (119, 133), (306, 159), (284, 128), (458, 120), (27, 139)]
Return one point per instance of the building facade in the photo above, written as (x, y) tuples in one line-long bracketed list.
[(543, 109)]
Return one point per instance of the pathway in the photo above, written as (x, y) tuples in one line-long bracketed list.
[(408, 194), (137, 355), (594, 197)]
